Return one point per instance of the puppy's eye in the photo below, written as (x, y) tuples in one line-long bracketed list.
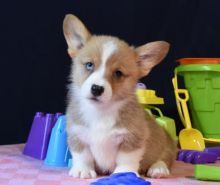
[(117, 74), (89, 66)]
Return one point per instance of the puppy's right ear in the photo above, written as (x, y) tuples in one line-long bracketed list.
[(76, 34)]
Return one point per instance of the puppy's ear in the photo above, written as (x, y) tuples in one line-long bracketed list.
[(150, 55), (76, 34)]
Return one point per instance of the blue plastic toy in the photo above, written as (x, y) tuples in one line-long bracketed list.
[(128, 178), (58, 153), (70, 163)]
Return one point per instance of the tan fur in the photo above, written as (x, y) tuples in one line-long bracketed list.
[(73, 117), (149, 52), (81, 32), (144, 130), (134, 64)]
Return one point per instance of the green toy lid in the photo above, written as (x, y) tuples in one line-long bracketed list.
[(198, 67)]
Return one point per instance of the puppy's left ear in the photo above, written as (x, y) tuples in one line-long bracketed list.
[(150, 55)]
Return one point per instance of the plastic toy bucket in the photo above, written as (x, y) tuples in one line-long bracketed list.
[(203, 84)]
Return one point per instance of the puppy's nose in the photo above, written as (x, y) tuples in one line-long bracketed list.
[(97, 90)]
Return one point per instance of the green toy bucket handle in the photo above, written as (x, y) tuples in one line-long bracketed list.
[(148, 108)]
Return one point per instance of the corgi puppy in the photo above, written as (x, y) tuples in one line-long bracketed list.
[(108, 130)]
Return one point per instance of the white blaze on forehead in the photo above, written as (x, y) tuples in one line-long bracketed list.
[(108, 49), (98, 76)]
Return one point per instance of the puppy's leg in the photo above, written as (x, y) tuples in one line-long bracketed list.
[(161, 167), (83, 161), (129, 161), (83, 164)]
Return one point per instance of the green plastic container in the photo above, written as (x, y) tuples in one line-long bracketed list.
[(167, 123), (203, 84)]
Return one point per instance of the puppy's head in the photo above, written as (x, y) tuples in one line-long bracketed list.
[(106, 69)]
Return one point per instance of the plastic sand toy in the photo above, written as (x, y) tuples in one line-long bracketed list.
[(202, 82), (205, 172), (121, 179)]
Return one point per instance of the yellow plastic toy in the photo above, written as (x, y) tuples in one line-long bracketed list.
[(146, 96), (189, 137)]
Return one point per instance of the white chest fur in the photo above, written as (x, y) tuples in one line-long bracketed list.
[(102, 137), (103, 142), (104, 147)]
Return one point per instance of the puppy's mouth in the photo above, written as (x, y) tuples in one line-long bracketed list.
[(94, 99)]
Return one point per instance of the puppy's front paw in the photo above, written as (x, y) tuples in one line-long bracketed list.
[(83, 172), (158, 170)]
